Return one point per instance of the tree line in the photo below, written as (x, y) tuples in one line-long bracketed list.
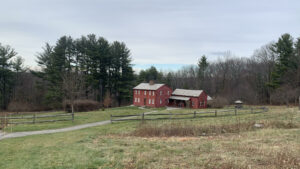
[(92, 68), (96, 67), (270, 76)]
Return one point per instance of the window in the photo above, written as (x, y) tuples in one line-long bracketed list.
[(160, 101), (145, 92), (153, 93), (149, 101), (135, 91), (152, 101), (192, 103), (138, 100), (200, 104), (168, 92), (149, 93), (161, 92), (135, 99), (139, 92)]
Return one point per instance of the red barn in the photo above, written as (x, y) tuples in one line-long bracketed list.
[(188, 98), (151, 95)]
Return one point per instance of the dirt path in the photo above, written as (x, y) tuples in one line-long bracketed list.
[(72, 128)]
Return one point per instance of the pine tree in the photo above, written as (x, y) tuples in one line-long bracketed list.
[(286, 62), (6, 74), (202, 66)]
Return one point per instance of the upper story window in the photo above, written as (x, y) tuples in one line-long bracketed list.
[(168, 92), (145, 92), (149, 93), (139, 91), (153, 93), (135, 91), (161, 92)]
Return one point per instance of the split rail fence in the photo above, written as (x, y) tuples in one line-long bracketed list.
[(6, 119), (169, 116)]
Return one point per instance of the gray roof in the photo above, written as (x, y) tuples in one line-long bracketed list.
[(185, 92), (209, 98), (179, 98), (147, 86)]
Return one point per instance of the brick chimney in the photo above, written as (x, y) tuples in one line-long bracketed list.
[(151, 82)]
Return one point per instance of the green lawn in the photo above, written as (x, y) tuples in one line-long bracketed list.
[(114, 146), (80, 118)]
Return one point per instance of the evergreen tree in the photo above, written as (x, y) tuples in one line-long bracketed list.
[(122, 71), (286, 62), (202, 67), (6, 74), (150, 74)]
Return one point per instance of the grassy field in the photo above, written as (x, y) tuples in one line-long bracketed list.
[(275, 145), (80, 118)]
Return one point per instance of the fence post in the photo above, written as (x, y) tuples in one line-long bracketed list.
[(143, 116), (194, 114), (235, 111), (34, 118), (215, 113), (110, 118), (72, 117)]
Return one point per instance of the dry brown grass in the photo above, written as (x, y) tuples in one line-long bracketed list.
[(186, 130)]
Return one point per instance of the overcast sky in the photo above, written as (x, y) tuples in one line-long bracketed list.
[(168, 33)]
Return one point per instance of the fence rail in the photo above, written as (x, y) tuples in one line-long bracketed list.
[(162, 116), (17, 119)]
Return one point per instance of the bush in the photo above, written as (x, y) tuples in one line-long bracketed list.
[(218, 102), (16, 106), (19, 106), (81, 105)]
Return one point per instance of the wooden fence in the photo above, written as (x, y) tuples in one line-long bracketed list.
[(169, 116), (6, 119)]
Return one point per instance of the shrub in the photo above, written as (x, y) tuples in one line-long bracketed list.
[(17, 106), (81, 105), (219, 102)]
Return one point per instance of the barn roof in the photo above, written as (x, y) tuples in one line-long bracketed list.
[(179, 98), (209, 98), (147, 86), (185, 92)]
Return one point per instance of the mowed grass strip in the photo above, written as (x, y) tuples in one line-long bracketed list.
[(114, 146)]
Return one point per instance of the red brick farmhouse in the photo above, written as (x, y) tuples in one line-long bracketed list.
[(151, 95), (188, 98)]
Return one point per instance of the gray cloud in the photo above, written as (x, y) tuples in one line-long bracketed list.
[(156, 31)]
